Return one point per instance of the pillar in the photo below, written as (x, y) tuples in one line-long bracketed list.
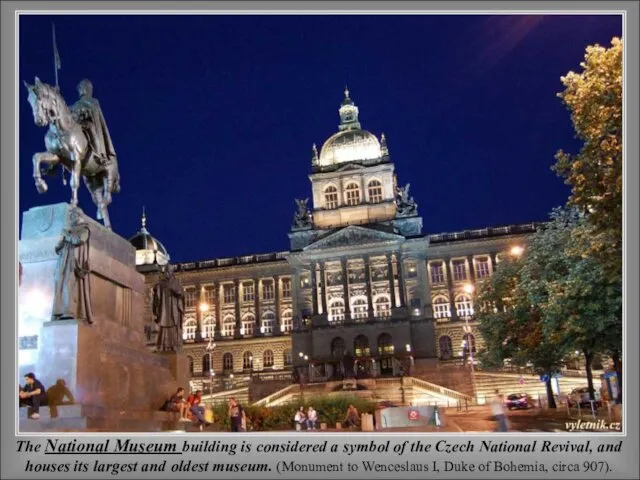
[(345, 290), (392, 286), (401, 287), (314, 288), (323, 288), (368, 279), (276, 286), (256, 299), (472, 273), (423, 276), (236, 284), (452, 300), (217, 288)]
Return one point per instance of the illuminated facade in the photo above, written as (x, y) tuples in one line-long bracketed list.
[(361, 290)]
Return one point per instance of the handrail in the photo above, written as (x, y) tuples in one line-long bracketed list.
[(277, 395), (439, 389)]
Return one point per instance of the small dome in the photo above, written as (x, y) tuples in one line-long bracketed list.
[(349, 146), (149, 250)]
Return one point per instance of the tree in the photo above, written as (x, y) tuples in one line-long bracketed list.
[(577, 301), (594, 98), (513, 328)]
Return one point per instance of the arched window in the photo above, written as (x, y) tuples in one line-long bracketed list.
[(361, 346), (446, 348), (441, 307), (268, 320), (206, 363), (468, 340), (227, 362), (247, 360), (267, 359), (336, 310), (229, 326), (353, 194), (208, 326), (190, 358), (248, 324), (464, 307), (337, 347), (189, 329), (287, 321), (375, 191), (331, 197), (287, 358), (359, 308), (385, 344), (382, 306)]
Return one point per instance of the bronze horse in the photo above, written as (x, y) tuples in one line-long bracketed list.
[(68, 146)]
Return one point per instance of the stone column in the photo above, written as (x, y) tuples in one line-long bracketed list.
[(392, 286), (276, 286), (493, 261), (423, 275), (452, 300), (401, 287), (314, 289), (369, 280), (217, 288), (295, 296), (198, 300), (238, 318), (472, 273), (323, 288), (345, 290), (256, 300)]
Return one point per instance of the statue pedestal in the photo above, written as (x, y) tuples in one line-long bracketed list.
[(105, 365), (179, 365)]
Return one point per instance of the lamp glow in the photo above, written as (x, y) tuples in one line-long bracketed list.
[(517, 250)]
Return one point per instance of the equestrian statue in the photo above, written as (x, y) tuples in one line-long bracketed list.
[(78, 141)]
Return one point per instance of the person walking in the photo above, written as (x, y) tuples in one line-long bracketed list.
[(497, 409), (236, 415)]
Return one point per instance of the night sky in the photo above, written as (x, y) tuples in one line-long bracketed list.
[(213, 117)]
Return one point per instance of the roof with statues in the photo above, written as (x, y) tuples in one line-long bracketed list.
[(351, 143), (149, 250)]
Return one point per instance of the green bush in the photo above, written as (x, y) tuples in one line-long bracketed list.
[(331, 409)]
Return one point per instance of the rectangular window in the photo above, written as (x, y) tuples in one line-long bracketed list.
[(209, 296), (286, 288), (459, 270), (268, 292), (190, 298), (229, 293), (482, 267), (248, 292), (437, 273)]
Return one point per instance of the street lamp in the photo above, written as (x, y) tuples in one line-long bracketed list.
[(204, 307), (517, 250)]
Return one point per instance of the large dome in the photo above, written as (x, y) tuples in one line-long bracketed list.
[(349, 146)]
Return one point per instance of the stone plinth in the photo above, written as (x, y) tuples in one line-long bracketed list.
[(104, 365)]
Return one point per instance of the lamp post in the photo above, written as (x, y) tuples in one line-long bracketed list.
[(468, 288)]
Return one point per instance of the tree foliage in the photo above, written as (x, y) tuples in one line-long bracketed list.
[(594, 98)]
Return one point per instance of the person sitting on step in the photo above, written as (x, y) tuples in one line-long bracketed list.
[(33, 395), (352, 420), (196, 408)]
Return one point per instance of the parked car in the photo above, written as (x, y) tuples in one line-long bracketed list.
[(580, 396), (518, 401)]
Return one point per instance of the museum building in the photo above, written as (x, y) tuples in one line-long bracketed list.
[(362, 290)]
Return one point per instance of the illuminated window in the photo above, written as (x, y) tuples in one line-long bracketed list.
[(208, 326), (383, 306), (229, 326), (227, 362), (287, 321), (248, 292), (286, 288), (267, 359), (229, 293), (359, 308), (353, 194), (248, 324), (189, 329), (361, 346), (268, 320), (468, 339), (464, 307), (331, 197), (268, 291), (247, 360), (209, 296), (190, 298), (385, 345), (287, 357), (336, 310), (375, 191), (437, 273), (482, 267), (441, 308), (459, 270)]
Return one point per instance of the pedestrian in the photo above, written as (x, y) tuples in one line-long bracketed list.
[(32, 395), (497, 409), (236, 416)]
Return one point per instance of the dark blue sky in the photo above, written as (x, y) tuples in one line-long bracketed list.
[(213, 117)]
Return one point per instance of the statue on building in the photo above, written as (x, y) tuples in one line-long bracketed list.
[(78, 141), (302, 218), (72, 278), (168, 309), (406, 205)]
